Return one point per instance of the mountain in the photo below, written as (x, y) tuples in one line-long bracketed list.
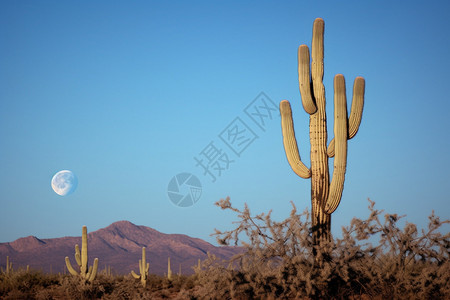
[(118, 246)]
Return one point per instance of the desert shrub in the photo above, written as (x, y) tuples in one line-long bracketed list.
[(281, 261), (23, 285)]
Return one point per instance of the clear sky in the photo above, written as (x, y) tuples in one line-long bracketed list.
[(128, 94)]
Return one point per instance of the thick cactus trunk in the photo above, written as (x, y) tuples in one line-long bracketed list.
[(319, 171)]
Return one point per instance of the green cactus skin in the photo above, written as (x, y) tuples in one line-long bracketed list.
[(82, 260), (169, 271), (143, 269), (325, 196)]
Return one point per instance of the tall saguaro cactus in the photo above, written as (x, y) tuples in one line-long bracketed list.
[(143, 269), (325, 196), (82, 260)]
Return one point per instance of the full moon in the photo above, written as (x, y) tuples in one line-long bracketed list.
[(64, 182)]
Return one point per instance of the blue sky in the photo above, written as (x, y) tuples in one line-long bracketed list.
[(127, 94)]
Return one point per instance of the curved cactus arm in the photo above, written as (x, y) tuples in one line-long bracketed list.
[(341, 137), (93, 271), (140, 266), (304, 80), (357, 106), (78, 255), (290, 143), (70, 268), (330, 149), (88, 273), (135, 275), (355, 113)]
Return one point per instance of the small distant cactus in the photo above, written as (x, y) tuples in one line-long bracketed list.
[(8, 269), (143, 269), (325, 196), (82, 260), (107, 271), (169, 271)]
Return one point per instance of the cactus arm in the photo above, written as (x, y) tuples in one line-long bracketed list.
[(93, 271), (70, 268), (88, 273), (78, 255), (330, 149), (135, 275), (355, 113), (304, 80), (341, 137), (317, 60), (357, 107), (290, 143), (140, 267)]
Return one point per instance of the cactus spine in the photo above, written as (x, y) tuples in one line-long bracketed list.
[(325, 197), (82, 260), (143, 269)]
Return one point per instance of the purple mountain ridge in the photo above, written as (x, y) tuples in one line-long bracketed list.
[(118, 246)]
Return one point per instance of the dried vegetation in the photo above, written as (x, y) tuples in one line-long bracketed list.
[(381, 257)]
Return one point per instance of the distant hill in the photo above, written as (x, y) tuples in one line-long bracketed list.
[(119, 246)]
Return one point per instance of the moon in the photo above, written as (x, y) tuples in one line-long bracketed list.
[(64, 182)]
